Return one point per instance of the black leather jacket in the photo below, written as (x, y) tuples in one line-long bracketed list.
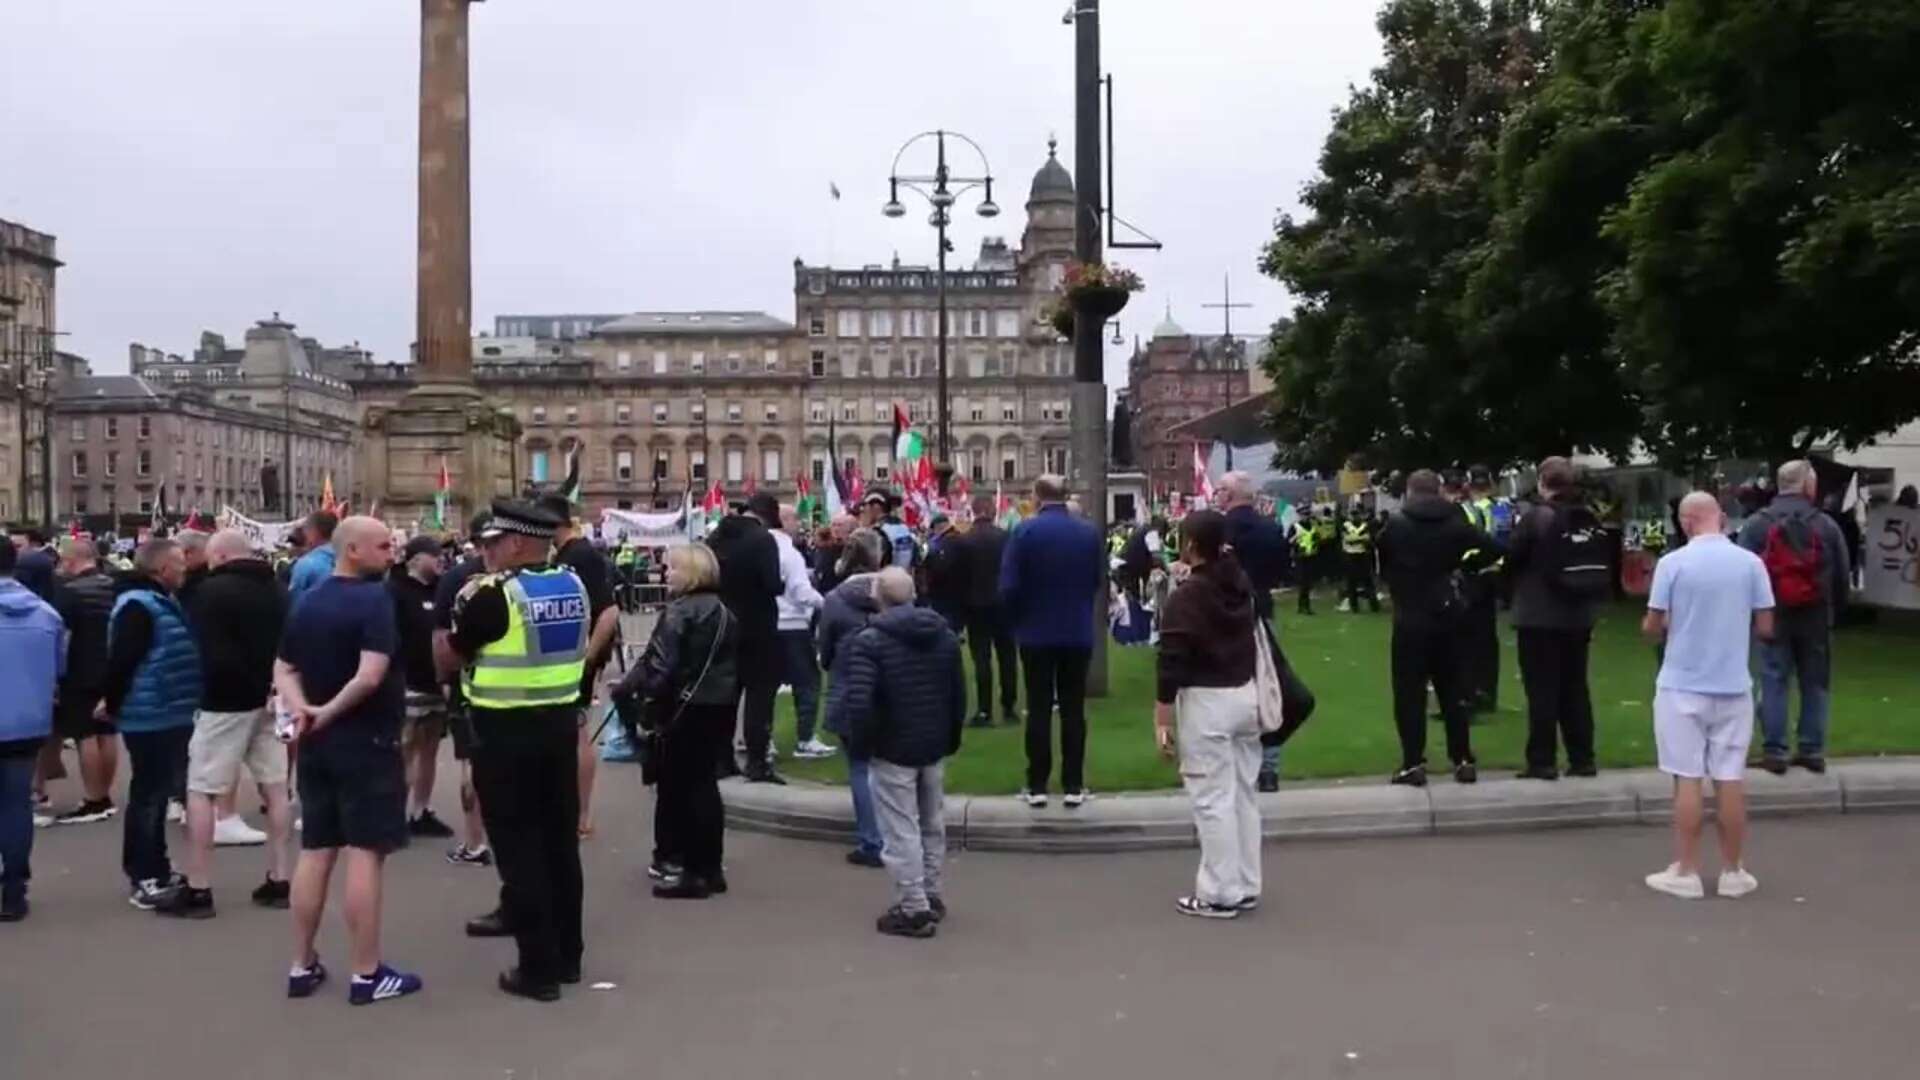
[(693, 627)]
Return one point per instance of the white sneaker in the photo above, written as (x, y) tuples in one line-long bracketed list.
[(176, 812), (1674, 883), (1074, 800), (814, 748), (235, 832), (1035, 799), (1736, 883)]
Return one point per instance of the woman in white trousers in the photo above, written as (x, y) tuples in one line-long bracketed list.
[(1206, 713)]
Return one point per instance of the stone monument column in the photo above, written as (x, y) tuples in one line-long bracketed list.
[(444, 418), (444, 312)]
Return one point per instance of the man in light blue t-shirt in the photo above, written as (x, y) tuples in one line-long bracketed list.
[(1709, 599), (316, 565)]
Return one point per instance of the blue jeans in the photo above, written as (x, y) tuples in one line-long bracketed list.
[(1270, 758), (1802, 645), (16, 824), (865, 825), (159, 760), (801, 670)]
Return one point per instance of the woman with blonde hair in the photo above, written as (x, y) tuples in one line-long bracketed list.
[(687, 687)]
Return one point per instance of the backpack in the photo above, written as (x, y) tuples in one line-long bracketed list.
[(1580, 564), (1793, 567)]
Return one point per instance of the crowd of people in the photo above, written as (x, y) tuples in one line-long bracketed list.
[(331, 679)]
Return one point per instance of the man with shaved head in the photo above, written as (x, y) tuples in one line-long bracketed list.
[(1709, 600), (83, 595), (337, 675), (236, 615)]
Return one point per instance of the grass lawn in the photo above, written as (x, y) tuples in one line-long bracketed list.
[(1343, 658)]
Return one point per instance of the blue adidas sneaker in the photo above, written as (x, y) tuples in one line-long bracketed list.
[(383, 985), (302, 982)]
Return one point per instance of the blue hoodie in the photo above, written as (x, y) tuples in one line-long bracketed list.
[(33, 656)]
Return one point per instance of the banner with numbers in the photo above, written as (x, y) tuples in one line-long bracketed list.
[(1892, 557)]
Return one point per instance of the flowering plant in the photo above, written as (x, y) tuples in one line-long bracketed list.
[(1082, 275)]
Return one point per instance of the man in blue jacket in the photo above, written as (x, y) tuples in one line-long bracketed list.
[(1049, 588), (151, 694), (32, 659)]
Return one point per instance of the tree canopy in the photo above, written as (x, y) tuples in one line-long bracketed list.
[(1552, 226)]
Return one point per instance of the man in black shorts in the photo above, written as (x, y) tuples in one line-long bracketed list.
[(83, 595), (472, 849), (340, 678)]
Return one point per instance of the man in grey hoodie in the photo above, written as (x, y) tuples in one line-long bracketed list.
[(1807, 564)]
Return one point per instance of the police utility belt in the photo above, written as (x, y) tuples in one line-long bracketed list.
[(542, 658)]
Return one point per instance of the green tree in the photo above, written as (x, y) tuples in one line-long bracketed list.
[(1375, 359), (1769, 294)]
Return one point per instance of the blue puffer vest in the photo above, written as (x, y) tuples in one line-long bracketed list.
[(166, 686)]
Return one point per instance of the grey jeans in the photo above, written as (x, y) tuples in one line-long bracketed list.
[(910, 805)]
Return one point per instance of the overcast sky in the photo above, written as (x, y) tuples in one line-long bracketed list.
[(206, 162)]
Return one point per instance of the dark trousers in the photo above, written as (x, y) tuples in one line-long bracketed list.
[(1480, 658), (1426, 654), (1360, 582), (688, 820), (529, 788), (1056, 674), (800, 669), (1553, 667), (159, 768), (1309, 575), (759, 683), (988, 636), (16, 825)]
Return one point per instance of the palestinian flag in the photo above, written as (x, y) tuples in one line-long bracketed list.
[(805, 505), (908, 445), (442, 493), (570, 487)]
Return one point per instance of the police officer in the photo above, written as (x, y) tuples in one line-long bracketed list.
[(520, 633), (1356, 549), (1306, 540)]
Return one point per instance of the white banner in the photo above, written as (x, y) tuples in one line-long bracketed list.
[(1892, 555), (265, 536), (647, 530)]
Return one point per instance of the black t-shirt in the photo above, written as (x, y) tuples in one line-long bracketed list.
[(448, 589), (338, 620), (596, 573), (413, 612)]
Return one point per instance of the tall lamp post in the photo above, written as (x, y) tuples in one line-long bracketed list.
[(941, 192)]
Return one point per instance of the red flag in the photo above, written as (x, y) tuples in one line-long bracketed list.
[(752, 487)]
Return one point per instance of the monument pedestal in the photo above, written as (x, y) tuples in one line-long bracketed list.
[(453, 423)]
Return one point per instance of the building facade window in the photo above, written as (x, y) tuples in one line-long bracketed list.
[(850, 410), (734, 364), (113, 463), (623, 465), (697, 411), (697, 461), (143, 463), (880, 324), (817, 412), (697, 363), (623, 413), (773, 413), (623, 360), (79, 463), (816, 324), (113, 427), (976, 411), (659, 361), (847, 323), (1057, 460), (1009, 465), (771, 359), (662, 461), (736, 465), (573, 414), (659, 412), (733, 412), (537, 467), (146, 427), (79, 430), (817, 363), (1006, 323), (976, 323), (911, 362), (1009, 412), (770, 466), (539, 414)]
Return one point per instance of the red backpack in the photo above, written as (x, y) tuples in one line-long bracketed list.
[(1793, 566)]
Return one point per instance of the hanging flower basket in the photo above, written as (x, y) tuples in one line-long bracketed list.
[(1100, 290), (1061, 316)]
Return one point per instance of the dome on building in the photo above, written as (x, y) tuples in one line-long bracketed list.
[(1168, 328), (1052, 182)]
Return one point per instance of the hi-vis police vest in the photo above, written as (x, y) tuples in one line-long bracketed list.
[(1353, 537), (540, 661), (1307, 538)]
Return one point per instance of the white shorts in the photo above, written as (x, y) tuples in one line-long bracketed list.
[(222, 741), (1703, 735)]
